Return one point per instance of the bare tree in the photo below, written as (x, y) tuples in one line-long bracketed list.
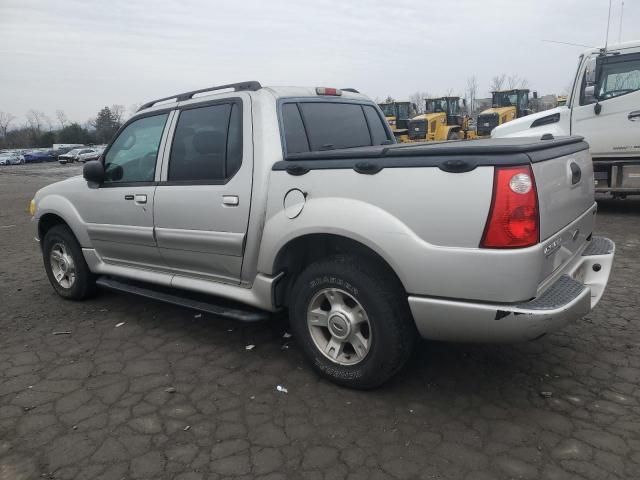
[(472, 93), (62, 118), (515, 81), (117, 113), (35, 120), (5, 120), (418, 98), (497, 82)]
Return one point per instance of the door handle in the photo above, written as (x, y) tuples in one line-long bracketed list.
[(140, 198), (128, 197), (230, 200), (633, 116)]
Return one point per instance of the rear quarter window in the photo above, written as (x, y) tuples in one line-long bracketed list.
[(319, 126)]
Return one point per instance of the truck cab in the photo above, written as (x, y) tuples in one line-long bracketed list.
[(442, 120), (603, 107), (398, 115), (507, 105)]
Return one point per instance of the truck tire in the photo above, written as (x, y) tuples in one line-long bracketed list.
[(453, 135), (65, 265), (352, 321)]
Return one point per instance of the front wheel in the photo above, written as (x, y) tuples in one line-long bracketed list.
[(453, 135), (352, 321), (65, 265)]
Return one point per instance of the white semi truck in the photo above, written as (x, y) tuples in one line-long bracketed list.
[(603, 107)]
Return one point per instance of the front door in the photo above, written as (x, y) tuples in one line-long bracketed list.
[(202, 202), (615, 132), (119, 213)]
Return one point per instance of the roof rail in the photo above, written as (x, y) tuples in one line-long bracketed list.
[(352, 90), (251, 86)]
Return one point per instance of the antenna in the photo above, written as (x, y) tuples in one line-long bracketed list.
[(606, 40), (568, 43), (620, 28)]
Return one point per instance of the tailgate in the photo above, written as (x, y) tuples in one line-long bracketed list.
[(566, 201), (565, 190)]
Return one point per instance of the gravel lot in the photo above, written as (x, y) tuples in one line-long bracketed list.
[(173, 394)]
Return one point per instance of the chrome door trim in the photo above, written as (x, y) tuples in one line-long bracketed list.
[(204, 241), (131, 234)]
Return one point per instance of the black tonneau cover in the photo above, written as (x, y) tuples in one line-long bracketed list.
[(452, 156)]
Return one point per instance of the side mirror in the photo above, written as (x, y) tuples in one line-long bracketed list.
[(590, 94), (93, 171), (590, 71)]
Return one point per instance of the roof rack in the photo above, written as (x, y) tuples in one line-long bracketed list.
[(352, 90), (251, 86)]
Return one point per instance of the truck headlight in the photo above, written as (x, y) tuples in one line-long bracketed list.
[(32, 207)]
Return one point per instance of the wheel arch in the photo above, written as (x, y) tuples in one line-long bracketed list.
[(303, 250)]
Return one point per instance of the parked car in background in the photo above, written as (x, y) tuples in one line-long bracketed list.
[(64, 150), (11, 158), (71, 156), (35, 156), (89, 154)]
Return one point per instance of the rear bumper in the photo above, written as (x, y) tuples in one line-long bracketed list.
[(570, 297)]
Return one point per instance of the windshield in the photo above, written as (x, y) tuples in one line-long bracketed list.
[(436, 105), (403, 110), (505, 99), (387, 109)]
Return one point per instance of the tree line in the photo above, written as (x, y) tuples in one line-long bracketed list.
[(40, 131)]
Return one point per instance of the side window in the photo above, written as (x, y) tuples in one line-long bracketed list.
[(207, 145), (334, 125), (619, 77), (378, 132), (294, 134), (132, 156)]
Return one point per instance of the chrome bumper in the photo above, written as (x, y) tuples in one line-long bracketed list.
[(570, 297)]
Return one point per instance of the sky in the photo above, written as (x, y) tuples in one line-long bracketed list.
[(80, 55)]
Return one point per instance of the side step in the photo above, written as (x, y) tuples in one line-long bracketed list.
[(188, 299)]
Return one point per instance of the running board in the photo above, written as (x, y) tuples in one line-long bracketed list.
[(237, 313)]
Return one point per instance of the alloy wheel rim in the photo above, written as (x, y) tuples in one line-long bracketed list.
[(62, 265), (339, 326)]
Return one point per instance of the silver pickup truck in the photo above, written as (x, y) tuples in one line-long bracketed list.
[(254, 199)]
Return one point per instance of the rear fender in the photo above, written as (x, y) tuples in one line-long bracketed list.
[(353, 219)]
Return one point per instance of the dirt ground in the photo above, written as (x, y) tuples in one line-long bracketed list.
[(171, 394)]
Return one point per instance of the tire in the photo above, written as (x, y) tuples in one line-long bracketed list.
[(374, 309), (62, 255), (453, 135)]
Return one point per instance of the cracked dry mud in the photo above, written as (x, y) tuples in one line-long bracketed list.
[(167, 395)]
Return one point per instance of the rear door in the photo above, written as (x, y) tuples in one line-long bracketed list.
[(202, 203), (616, 130)]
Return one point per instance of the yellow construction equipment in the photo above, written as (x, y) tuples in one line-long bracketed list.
[(506, 106), (561, 100), (441, 120), (398, 115)]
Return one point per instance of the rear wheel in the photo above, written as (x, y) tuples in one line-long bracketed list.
[(453, 135), (352, 321), (65, 265)]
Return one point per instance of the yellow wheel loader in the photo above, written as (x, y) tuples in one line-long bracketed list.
[(441, 120), (507, 105), (398, 115)]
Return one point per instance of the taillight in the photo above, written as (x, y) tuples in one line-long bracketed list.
[(328, 91), (513, 220)]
